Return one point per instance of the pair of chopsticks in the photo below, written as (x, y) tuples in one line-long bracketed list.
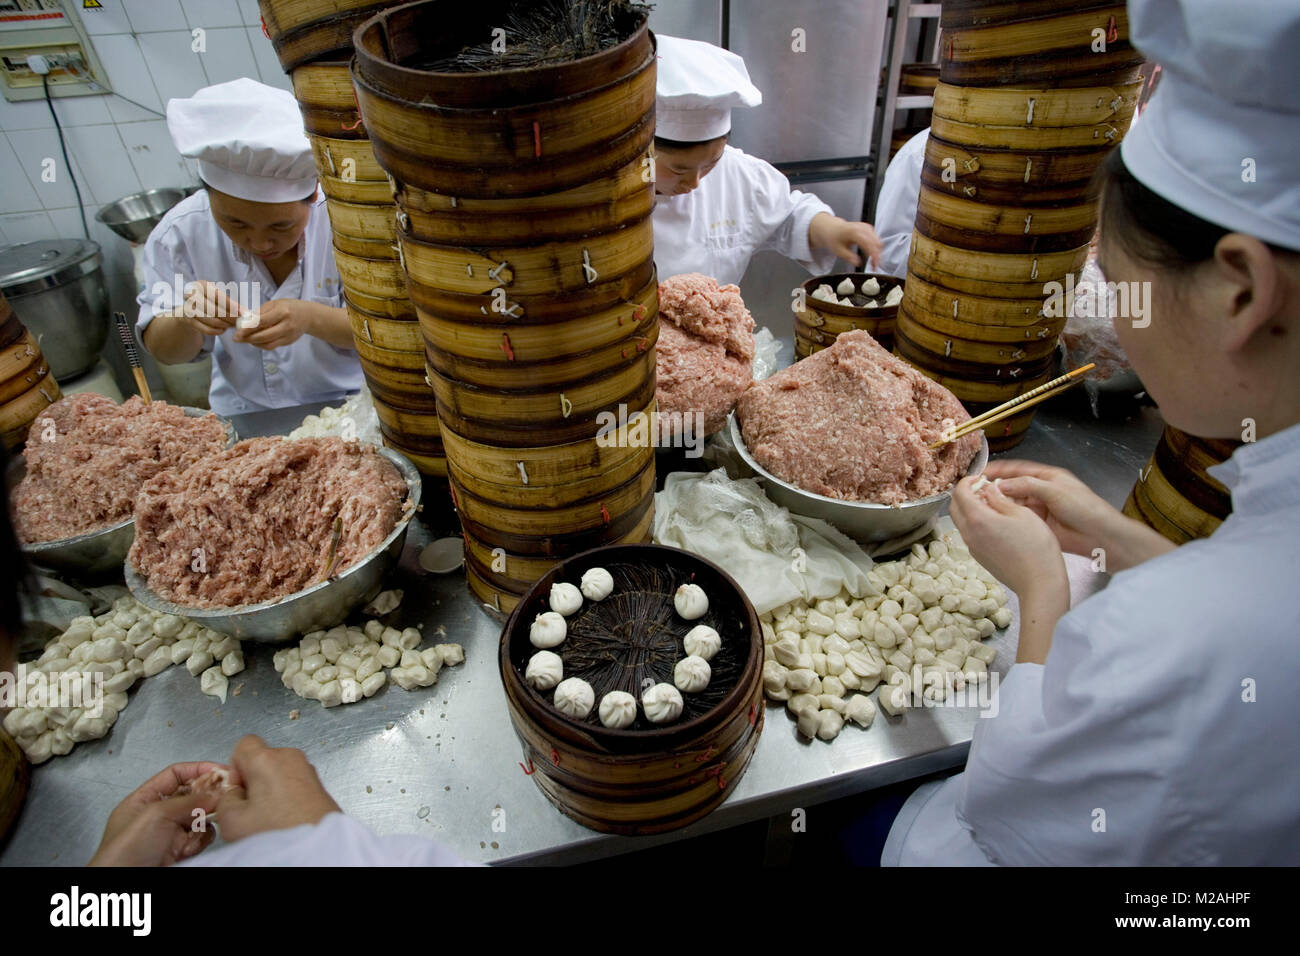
[(127, 334), (1040, 394)]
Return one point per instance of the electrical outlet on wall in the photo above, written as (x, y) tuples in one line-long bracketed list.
[(43, 28)]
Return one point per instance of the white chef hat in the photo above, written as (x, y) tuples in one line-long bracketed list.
[(1219, 137), (697, 86), (248, 139)]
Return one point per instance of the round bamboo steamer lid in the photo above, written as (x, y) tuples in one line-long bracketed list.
[(400, 387), (405, 361), (977, 349), (638, 782), (1022, 222), (17, 415), (808, 340), (942, 324), (550, 520), (557, 373), (533, 417), (550, 464), (391, 47), (625, 322), (619, 199), (995, 110), (381, 278), (302, 30), (1029, 171), (357, 191), (832, 328), (1183, 460), (1017, 275), (973, 381), (946, 180), (339, 157), (398, 308), (972, 135), (918, 78), (512, 151), (545, 269), (1004, 242), (607, 292), (536, 495), (385, 333), (1010, 45), (422, 445), (433, 465), (419, 428), (925, 297), (364, 220), (15, 778), (324, 84), (602, 525), (364, 248), (499, 600)]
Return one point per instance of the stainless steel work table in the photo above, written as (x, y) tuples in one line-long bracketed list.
[(443, 762)]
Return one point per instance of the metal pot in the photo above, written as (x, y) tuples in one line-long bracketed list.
[(133, 217), (56, 287)]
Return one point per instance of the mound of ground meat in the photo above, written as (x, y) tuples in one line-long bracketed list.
[(705, 351), (854, 422), (87, 457), (263, 520)]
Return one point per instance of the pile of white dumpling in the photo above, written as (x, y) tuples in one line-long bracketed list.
[(346, 664), (840, 295), (661, 703), (933, 610), (124, 644)]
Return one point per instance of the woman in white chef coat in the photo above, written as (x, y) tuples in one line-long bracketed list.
[(1157, 722), (900, 194), (716, 206), (244, 268)]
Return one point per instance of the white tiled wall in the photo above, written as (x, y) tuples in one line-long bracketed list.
[(117, 148)]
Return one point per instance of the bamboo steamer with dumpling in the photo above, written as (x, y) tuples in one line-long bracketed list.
[(26, 386), (1175, 495), (818, 323)]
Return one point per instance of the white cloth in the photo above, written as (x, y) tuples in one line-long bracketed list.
[(337, 840), (697, 85), (734, 525), (248, 138), (900, 194), (1218, 137), (188, 246), (743, 205), (1166, 703)]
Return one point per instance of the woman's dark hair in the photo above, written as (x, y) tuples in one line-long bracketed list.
[(1148, 226), (664, 143)]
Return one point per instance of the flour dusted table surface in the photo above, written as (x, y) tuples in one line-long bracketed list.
[(443, 762)]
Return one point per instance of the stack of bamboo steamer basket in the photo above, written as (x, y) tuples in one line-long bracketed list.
[(26, 386), (1175, 495), (1027, 106), (313, 39), (524, 201)]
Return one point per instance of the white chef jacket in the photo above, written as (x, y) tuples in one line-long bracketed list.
[(743, 205), (188, 243), (337, 840), (900, 194), (1166, 711)]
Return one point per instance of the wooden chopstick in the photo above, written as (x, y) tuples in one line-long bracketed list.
[(1032, 397)]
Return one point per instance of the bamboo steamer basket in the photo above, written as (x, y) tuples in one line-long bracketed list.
[(397, 359), (918, 78), (381, 278), (303, 30), (1004, 228), (543, 416), (372, 193), (346, 158), (421, 430), (26, 386), (640, 781), (384, 332), (997, 275), (17, 415), (398, 309), (601, 206), (504, 133), (994, 113), (402, 387), (327, 103), (362, 247), (1037, 43), (1175, 495), (364, 220), (818, 324), (15, 778)]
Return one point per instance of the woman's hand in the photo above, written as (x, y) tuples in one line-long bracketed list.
[(280, 322), (1019, 549), (154, 827), (1080, 519), (280, 790), (206, 309), (844, 238)]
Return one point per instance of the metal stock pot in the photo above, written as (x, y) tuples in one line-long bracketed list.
[(56, 287)]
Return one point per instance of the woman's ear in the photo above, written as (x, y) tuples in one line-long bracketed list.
[(1247, 287)]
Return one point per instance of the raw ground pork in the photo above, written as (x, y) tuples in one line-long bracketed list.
[(854, 422), (263, 514), (705, 350), (87, 477)]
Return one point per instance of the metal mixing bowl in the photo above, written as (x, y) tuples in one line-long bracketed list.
[(133, 217), (95, 552), (864, 521), (320, 606)]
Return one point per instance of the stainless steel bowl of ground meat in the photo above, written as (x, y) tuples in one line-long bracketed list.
[(844, 435), (275, 537), (73, 489)]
